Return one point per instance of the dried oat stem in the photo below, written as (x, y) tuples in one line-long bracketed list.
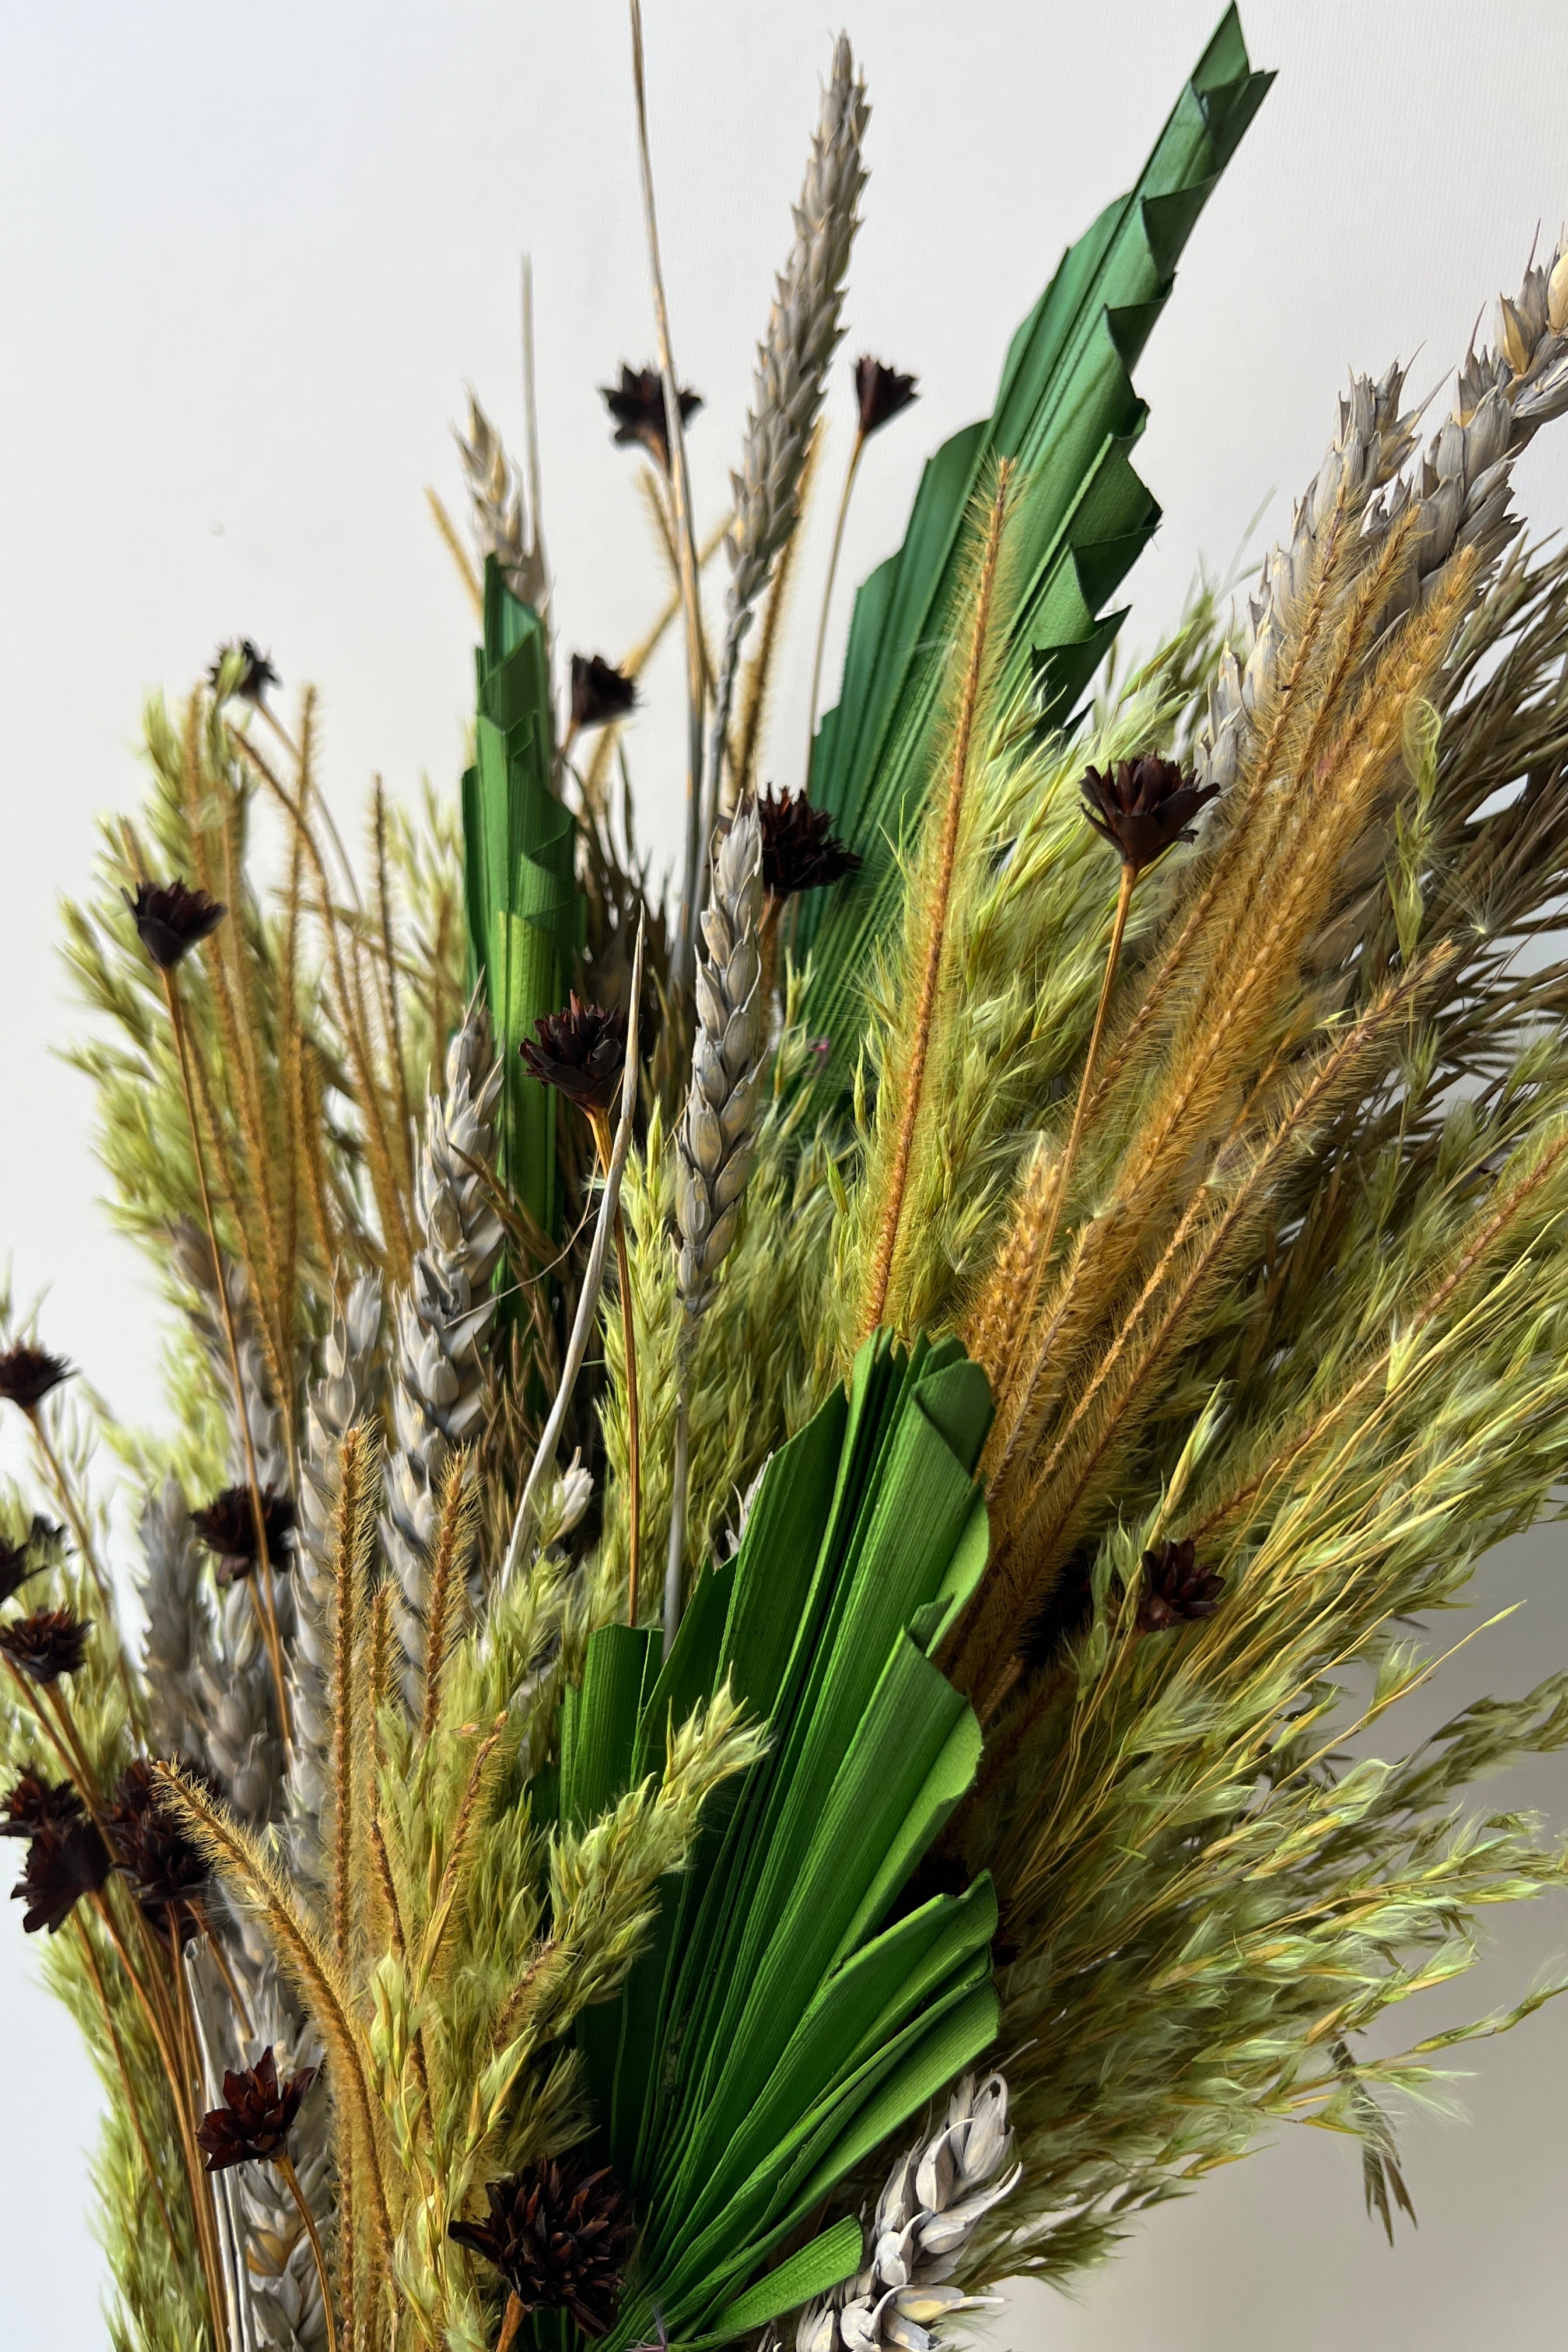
[(855, 454), (685, 539), (291, 2182), (603, 1145)]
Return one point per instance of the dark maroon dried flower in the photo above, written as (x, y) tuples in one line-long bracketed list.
[(799, 851), (1176, 1591), (581, 1052), (48, 1644), (171, 919), (19, 1561), (558, 2235), (256, 675), (165, 1871), (27, 1374), (33, 1804), (882, 392), (637, 406), (253, 2125), (227, 1526), (1144, 807), (599, 691), (62, 1866)]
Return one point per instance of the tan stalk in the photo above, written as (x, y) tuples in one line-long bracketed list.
[(291, 2182), (397, 1935), (310, 1116), (685, 541), (291, 1046), (458, 553), (516, 2313), (604, 1144), (855, 454), (394, 1230), (353, 1523), (455, 1530), (65, 1494), (234, 1853), (935, 910)]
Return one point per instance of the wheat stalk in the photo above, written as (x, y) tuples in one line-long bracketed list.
[(793, 360)]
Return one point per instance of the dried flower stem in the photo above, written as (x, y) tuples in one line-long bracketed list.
[(132, 2107), (1010, 1408), (291, 2182), (261, 1585), (603, 1145), (685, 539), (588, 1298), (855, 456), (936, 913)]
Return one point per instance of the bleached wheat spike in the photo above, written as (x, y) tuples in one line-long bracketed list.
[(716, 1139), (1503, 397), (232, 1677), (717, 1136), (501, 526), (441, 1321), (1374, 439), (793, 360), (178, 1652), (344, 1394), (935, 2198), (281, 2307)]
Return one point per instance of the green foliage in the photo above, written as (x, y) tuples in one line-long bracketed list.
[(1066, 412), (781, 2028), (525, 913)]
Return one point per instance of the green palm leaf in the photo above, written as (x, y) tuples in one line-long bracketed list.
[(525, 912), (780, 2028), (1067, 411)]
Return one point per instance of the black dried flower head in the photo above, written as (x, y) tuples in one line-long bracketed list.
[(256, 671), (227, 1526), (1144, 807), (581, 1052), (62, 1864), (558, 2235), (171, 919), (1176, 1591), (637, 404), (799, 851), (33, 1804), (882, 392), (27, 1374), (165, 1871), (257, 2116), (48, 1644), (18, 1561), (599, 691)]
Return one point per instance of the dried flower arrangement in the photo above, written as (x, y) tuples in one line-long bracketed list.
[(1067, 1324)]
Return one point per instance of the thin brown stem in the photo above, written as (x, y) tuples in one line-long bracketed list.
[(261, 1587), (291, 2182), (685, 539), (135, 1701), (516, 2312), (854, 467)]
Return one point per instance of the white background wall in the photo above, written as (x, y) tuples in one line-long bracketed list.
[(248, 256)]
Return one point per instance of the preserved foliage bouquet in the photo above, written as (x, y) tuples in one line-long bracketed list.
[(750, 1700)]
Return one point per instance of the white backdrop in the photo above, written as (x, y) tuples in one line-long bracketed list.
[(248, 256)]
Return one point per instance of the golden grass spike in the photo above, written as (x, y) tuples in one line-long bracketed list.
[(456, 1529), (1030, 1551), (245, 1866), (934, 884), (458, 553), (452, 1887), (1250, 969), (353, 1536)]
